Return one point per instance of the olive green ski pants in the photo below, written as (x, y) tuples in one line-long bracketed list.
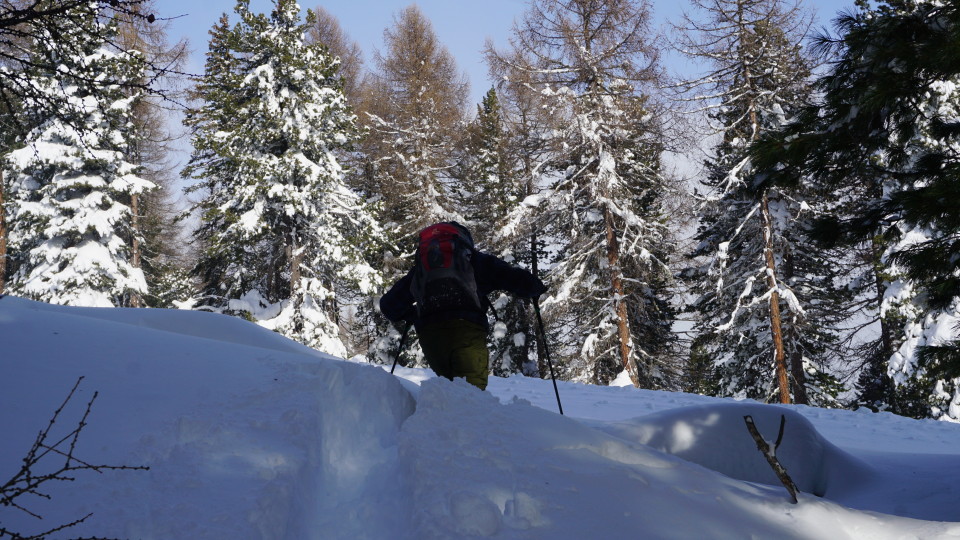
[(456, 348)]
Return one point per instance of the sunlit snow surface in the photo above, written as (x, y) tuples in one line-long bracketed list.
[(249, 435)]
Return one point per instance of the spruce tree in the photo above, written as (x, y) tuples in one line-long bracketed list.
[(217, 93), (485, 172), (595, 67), (760, 287), (883, 141), (282, 231), (490, 189), (520, 236), (69, 183)]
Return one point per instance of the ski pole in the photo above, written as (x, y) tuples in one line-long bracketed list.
[(546, 350), (403, 341)]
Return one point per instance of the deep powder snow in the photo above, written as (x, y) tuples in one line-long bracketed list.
[(250, 435)]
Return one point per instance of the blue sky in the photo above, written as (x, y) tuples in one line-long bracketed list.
[(461, 25)]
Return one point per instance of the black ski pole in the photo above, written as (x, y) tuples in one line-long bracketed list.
[(546, 350), (403, 341)]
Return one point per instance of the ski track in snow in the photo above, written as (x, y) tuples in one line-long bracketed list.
[(249, 435)]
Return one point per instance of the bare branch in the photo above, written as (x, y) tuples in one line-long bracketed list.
[(35, 472), (771, 455)]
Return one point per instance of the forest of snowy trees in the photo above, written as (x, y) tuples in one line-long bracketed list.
[(814, 257)]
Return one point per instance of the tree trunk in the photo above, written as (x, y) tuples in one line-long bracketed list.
[(619, 301), (780, 361), (542, 366), (799, 379), (520, 353), (797, 373), (3, 238), (885, 339), (294, 258), (135, 258)]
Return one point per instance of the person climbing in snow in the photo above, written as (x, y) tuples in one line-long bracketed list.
[(444, 296)]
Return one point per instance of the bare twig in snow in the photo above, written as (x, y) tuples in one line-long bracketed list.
[(771, 454)]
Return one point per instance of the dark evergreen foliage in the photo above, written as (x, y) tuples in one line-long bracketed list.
[(69, 182), (884, 139), (753, 244), (281, 231)]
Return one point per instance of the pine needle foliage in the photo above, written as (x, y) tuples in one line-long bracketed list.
[(884, 138), (69, 181), (281, 232), (593, 65)]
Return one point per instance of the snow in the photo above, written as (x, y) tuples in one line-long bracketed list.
[(250, 435)]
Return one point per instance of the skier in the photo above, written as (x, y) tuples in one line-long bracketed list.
[(444, 296)]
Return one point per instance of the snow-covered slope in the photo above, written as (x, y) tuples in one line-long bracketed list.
[(248, 435)]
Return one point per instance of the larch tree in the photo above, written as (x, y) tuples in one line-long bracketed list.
[(281, 230), (595, 65), (760, 286), (156, 248), (414, 101), (326, 30), (69, 182), (883, 139), (412, 108)]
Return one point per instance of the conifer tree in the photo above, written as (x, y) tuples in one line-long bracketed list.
[(156, 248), (592, 62), (530, 145), (414, 101), (491, 188), (24, 22), (485, 172), (217, 94), (883, 141), (7, 143), (69, 182), (326, 30), (362, 323), (282, 232), (760, 287)]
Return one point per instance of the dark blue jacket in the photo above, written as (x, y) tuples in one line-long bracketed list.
[(491, 273)]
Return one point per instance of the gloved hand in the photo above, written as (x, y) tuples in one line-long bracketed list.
[(408, 319)]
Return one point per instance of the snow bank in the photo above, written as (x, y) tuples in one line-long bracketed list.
[(250, 436), (715, 436), (479, 468), (256, 438), (199, 324), (482, 469)]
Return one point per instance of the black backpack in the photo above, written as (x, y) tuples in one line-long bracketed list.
[(443, 279)]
